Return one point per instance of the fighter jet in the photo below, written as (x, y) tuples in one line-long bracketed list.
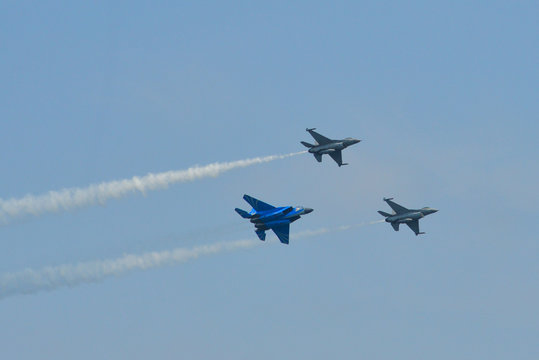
[(267, 217), (323, 145), (402, 215)]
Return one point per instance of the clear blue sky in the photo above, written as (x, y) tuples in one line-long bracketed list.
[(444, 96)]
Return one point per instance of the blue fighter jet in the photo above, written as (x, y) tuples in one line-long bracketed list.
[(267, 217)]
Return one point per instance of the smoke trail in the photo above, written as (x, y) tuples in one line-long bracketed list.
[(49, 278), (71, 198), (31, 281)]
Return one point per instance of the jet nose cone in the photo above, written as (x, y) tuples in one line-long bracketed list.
[(434, 210), (307, 210)]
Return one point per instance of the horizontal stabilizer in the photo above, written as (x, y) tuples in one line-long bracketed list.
[(261, 234), (306, 144), (318, 157), (384, 214), (244, 214), (395, 226)]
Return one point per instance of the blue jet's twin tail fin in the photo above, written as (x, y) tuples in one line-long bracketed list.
[(384, 213), (306, 144), (244, 214)]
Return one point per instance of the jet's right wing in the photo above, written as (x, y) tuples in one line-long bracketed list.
[(414, 225), (337, 156), (283, 232), (396, 207), (320, 139), (257, 204)]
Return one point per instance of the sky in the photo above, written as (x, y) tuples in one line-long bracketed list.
[(442, 95)]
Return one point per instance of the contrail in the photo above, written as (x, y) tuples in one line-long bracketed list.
[(49, 278), (71, 198)]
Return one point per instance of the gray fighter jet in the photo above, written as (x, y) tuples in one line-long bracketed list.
[(333, 148), (402, 215)]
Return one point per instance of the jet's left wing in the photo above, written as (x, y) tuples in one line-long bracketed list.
[(414, 225), (320, 139), (337, 156), (257, 204), (396, 207), (282, 231)]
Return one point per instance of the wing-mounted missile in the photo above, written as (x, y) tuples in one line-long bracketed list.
[(310, 129), (388, 199)]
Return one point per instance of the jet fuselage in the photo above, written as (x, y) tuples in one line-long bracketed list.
[(281, 215), (402, 218), (268, 217), (410, 215), (402, 215), (333, 146)]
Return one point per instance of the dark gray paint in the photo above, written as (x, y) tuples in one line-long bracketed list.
[(324, 145)]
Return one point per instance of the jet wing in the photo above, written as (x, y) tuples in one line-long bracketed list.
[(414, 225), (320, 139), (337, 156), (282, 231), (257, 204), (396, 207)]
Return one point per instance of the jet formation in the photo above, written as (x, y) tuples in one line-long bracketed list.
[(402, 215), (323, 145), (268, 217)]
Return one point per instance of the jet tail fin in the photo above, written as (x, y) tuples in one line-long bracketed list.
[(306, 144), (384, 213), (244, 214)]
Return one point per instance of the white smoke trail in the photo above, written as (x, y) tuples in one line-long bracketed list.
[(49, 278), (31, 281), (71, 198)]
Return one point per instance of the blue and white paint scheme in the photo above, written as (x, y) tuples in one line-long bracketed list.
[(267, 217)]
